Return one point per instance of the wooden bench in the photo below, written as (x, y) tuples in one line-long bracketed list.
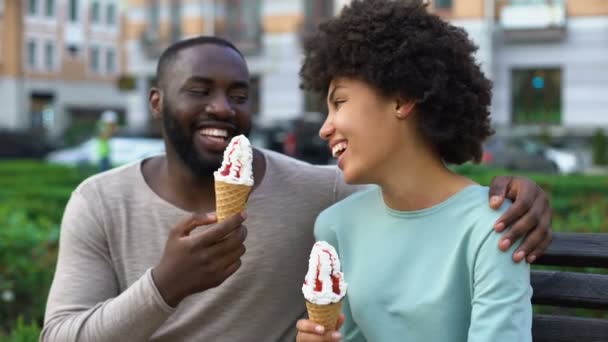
[(572, 289)]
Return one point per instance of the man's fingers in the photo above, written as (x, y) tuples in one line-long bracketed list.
[(224, 258), (232, 268), (311, 331), (498, 190), (186, 225), (520, 228), (522, 203), (540, 249), (537, 240), (220, 230)]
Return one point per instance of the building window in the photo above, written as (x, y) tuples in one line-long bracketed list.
[(254, 95), (95, 59), (153, 15), (49, 10), (536, 96), (443, 4), (315, 12), (111, 15), (110, 61), (73, 50), (175, 15), (244, 24), (95, 12), (32, 7), (32, 57), (73, 10), (49, 55)]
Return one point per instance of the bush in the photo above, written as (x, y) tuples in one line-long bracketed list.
[(32, 198), (600, 157), (23, 332)]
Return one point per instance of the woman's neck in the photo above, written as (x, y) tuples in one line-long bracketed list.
[(419, 180)]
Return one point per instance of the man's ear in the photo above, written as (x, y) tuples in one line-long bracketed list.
[(404, 107), (155, 101)]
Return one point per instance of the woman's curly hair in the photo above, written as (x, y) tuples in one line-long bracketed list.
[(400, 49)]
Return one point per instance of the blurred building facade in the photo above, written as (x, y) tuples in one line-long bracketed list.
[(59, 63), (268, 32), (550, 64), (548, 58)]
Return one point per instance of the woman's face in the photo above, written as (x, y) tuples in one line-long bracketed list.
[(362, 129)]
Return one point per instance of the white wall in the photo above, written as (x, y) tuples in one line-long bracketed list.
[(11, 114)]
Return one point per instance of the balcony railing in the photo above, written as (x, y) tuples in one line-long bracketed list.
[(533, 21)]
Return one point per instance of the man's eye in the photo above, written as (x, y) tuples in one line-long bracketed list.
[(199, 91), (338, 103), (239, 98)]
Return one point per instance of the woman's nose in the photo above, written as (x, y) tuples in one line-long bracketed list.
[(327, 129)]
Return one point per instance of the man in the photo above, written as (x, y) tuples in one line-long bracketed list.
[(127, 271)]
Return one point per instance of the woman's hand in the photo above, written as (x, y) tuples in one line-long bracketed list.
[(309, 331), (530, 215)]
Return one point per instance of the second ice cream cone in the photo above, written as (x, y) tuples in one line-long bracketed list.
[(230, 199), (327, 315)]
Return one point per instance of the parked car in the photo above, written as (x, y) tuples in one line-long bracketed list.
[(23, 145), (528, 155), (297, 137), (123, 149)]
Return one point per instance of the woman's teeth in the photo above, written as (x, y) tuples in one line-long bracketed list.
[(338, 149)]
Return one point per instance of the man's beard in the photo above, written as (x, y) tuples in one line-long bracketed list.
[(184, 147)]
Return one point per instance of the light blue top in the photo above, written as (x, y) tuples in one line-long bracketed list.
[(428, 275)]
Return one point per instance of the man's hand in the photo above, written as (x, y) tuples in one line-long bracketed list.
[(529, 215), (199, 261), (309, 331)]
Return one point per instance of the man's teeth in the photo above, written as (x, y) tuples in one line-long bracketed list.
[(337, 150), (215, 132)]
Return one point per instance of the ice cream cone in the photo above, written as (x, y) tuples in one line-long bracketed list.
[(230, 199), (327, 315)]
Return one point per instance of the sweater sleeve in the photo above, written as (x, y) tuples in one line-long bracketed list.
[(501, 307), (84, 302)]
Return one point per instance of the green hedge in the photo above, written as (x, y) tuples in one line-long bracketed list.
[(33, 195), (32, 198)]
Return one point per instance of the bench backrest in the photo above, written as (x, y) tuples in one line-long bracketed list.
[(572, 289)]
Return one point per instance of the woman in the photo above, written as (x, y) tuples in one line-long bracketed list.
[(405, 98)]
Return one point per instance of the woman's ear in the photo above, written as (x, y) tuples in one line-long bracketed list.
[(403, 108), (155, 102)]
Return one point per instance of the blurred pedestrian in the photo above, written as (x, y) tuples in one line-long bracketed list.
[(108, 124)]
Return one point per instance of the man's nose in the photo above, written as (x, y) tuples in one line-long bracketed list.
[(220, 107)]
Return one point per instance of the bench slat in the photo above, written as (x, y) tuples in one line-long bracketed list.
[(576, 249), (548, 328), (570, 289)]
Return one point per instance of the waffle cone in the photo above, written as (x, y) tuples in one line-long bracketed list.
[(327, 315), (230, 199)]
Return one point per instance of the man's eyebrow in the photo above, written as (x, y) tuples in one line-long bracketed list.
[(199, 79), (239, 84)]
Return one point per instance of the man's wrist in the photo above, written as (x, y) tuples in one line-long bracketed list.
[(170, 295)]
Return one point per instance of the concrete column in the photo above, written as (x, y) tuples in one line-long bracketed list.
[(137, 104)]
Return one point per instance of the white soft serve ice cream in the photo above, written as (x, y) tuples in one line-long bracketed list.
[(236, 167), (324, 283)]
